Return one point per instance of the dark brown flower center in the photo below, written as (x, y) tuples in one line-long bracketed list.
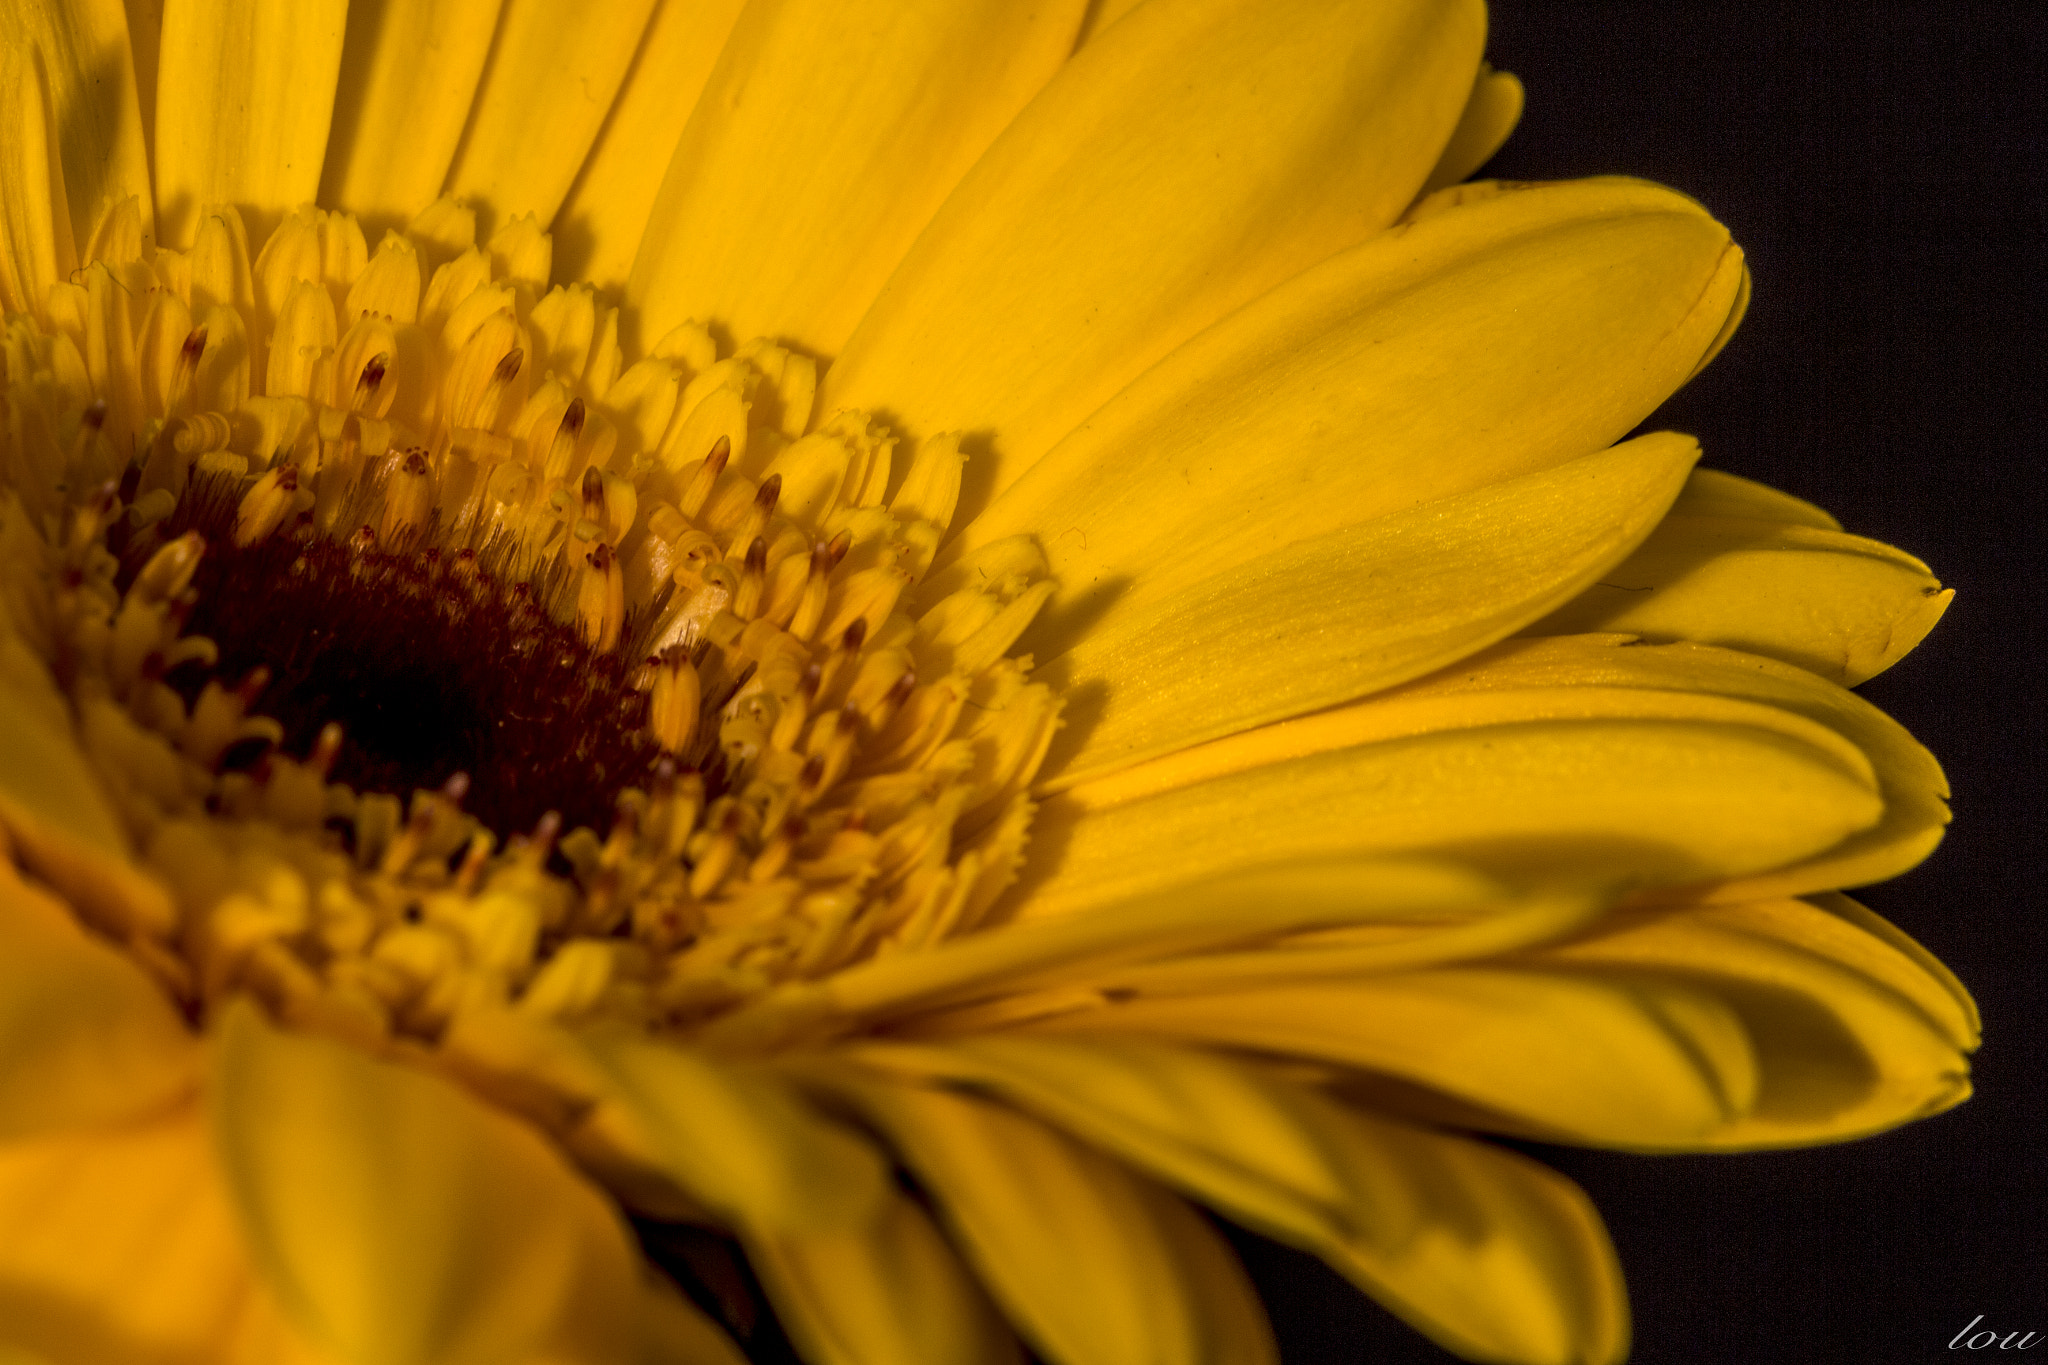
[(431, 663)]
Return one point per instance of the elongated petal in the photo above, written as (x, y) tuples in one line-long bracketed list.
[(739, 1140), (553, 70), (604, 216), (1852, 1034), (1839, 605), (1489, 1253), (1489, 339), (1270, 1153), (1191, 157), (1594, 802), (244, 95), (60, 824), (1901, 963), (1774, 1023), (85, 1038), (1614, 1059), (1717, 493), (37, 248), (1909, 780), (1370, 945), (889, 1289), (1491, 112), (122, 1245), (1212, 914), (1348, 613), (399, 1220), (1514, 1266), (83, 51), (401, 102), (1484, 714), (828, 136), (145, 40), (1096, 1266)]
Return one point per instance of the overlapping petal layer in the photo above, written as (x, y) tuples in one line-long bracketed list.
[(868, 113), (1348, 612), (1093, 1263), (397, 119), (1488, 1252), (553, 70), (1069, 259), (1657, 739), (72, 141), (244, 97), (1744, 566), (602, 221), (1769, 1023), (1389, 372)]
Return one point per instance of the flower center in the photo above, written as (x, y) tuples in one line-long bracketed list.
[(429, 664), (444, 666)]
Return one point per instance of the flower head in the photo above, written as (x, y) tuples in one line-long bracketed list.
[(1057, 630)]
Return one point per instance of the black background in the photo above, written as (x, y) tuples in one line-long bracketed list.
[(1879, 164)]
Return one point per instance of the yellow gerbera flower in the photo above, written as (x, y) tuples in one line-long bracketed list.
[(1058, 631)]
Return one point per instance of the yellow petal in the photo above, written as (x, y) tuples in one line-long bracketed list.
[(1490, 1254), (51, 806), (1888, 818), (145, 40), (1852, 1035), (243, 98), (1368, 945), (85, 1038), (1774, 1023), (36, 245), (1738, 308), (1345, 614), (1838, 605), (1491, 113), (1717, 493), (1096, 1266), (1487, 340), (82, 49), (1269, 1153), (601, 222), (1601, 801), (886, 1290), (828, 135), (553, 70), (408, 71), (1103, 13), (399, 1220), (1933, 988), (122, 1245), (1191, 157), (1614, 1059), (739, 1140), (1203, 917), (1513, 1264), (1909, 780)]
